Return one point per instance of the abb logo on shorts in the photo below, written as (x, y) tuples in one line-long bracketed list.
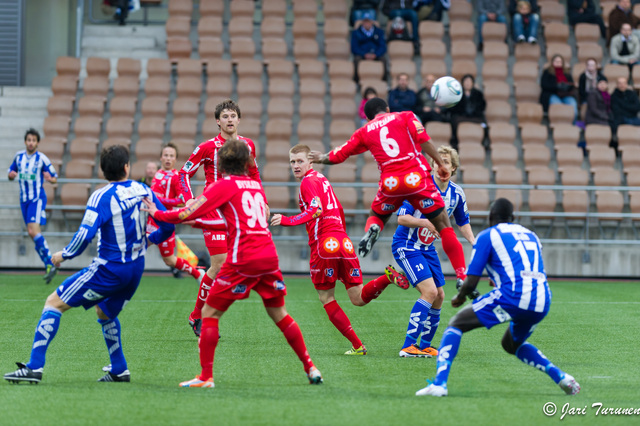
[(331, 245), (412, 180), (391, 183), (348, 245)]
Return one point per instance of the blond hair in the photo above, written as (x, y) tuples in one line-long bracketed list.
[(453, 154), (300, 148)]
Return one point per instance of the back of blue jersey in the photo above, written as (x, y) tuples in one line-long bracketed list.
[(113, 213), (512, 255), (29, 169)]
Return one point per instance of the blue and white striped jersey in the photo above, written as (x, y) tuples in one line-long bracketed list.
[(29, 169), (421, 238), (113, 212), (512, 255)]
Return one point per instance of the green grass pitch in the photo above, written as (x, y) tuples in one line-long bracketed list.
[(591, 332)]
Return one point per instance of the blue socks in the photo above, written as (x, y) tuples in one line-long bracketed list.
[(530, 355), (417, 318), (446, 354), (430, 328), (45, 332), (111, 333), (42, 248)]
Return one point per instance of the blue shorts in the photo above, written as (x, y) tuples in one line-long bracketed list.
[(33, 211), (492, 309), (419, 265), (108, 285)]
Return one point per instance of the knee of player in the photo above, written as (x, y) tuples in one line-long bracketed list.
[(439, 299), (357, 301), (508, 344), (428, 292), (169, 261)]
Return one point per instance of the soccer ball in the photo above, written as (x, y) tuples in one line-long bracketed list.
[(446, 92)]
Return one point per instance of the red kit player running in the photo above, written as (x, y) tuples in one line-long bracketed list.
[(227, 115), (252, 261), (165, 186), (332, 254), (396, 141)]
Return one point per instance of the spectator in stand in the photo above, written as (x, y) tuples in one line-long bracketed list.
[(149, 173), (625, 47), (599, 104), (470, 108), (360, 7), (404, 9), (580, 11), (492, 11), (525, 19), (623, 14), (402, 98), (426, 107), (557, 86), (431, 10), (588, 80), (625, 104), (367, 43), (368, 93)]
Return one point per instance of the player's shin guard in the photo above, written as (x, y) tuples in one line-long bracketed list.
[(111, 332), (294, 337), (446, 354), (340, 320), (45, 332), (203, 292), (374, 288), (532, 356), (417, 318), (373, 220), (453, 249), (42, 248), (430, 327), (209, 336), (185, 266)]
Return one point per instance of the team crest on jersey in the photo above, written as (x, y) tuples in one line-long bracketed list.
[(158, 175), (328, 272), (278, 285), (331, 245), (239, 289), (388, 207), (391, 183), (354, 272), (188, 165), (412, 180), (348, 245), (193, 207), (92, 295), (426, 203), (419, 127)]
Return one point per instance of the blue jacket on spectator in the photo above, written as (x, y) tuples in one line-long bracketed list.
[(363, 42), (402, 100)]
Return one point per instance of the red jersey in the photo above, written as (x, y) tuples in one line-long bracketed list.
[(207, 154), (241, 201), (165, 186)]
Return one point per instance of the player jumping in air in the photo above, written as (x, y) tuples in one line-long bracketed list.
[(413, 249), (32, 168), (512, 255), (332, 253), (228, 116), (252, 261), (396, 141)]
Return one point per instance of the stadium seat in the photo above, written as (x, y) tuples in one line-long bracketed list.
[(79, 169), (342, 88), (585, 32), (471, 154), (433, 66), (305, 49), (556, 32), (535, 155), (573, 175), (74, 194), (180, 8), (64, 85), (126, 86), (189, 68), (242, 8), (119, 127), (151, 127), (542, 201), (314, 69), (533, 133), (53, 147), (601, 156), (220, 68), (189, 87), (304, 28), (507, 174), (56, 127), (494, 31), (210, 127), (157, 67), (178, 26), (185, 148), (606, 176), (460, 11), (148, 149), (96, 86), (526, 52), (380, 86), (275, 172), (334, 10), (615, 71), (186, 107), (341, 129), (218, 88), (248, 68), (210, 26), (98, 67), (566, 134), (278, 197), (210, 49), (112, 142), (157, 86), (154, 106), (335, 48), (274, 49), (477, 201), (503, 153), (561, 113), (552, 11), (277, 150), (343, 173), (630, 156), (242, 48), (598, 134), (431, 30), (281, 129), (513, 195), (475, 174), (460, 67), (496, 51), (305, 9), (210, 8), (273, 27), (502, 133), (123, 106), (462, 30), (541, 175), (567, 155), (441, 132), (92, 106), (343, 108), (611, 202), (178, 48), (406, 66), (399, 49), (434, 50), (84, 149), (281, 88), (311, 108), (372, 70), (462, 49), (562, 49), (494, 70), (249, 88), (240, 27), (498, 112), (250, 108), (68, 66), (348, 197), (525, 70), (527, 91), (577, 203), (312, 87), (588, 50), (310, 128), (281, 108), (184, 128), (60, 106)]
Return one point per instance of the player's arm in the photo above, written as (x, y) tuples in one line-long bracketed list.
[(165, 230), (406, 218), (213, 197), (186, 173), (49, 172), (479, 259), (467, 233), (91, 222), (13, 170), (313, 211), (339, 154), (252, 169), (468, 287)]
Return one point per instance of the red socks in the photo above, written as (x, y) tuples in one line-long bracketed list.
[(205, 286), (374, 288), (185, 266), (209, 336), (292, 333), (373, 220), (453, 249), (340, 320)]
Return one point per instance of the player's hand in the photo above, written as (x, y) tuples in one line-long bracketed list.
[(316, 157), (150, 207), (431, 227), (443, 173), (57, 259), (47, 176), (276, 219), (12, 175), (457, 300)]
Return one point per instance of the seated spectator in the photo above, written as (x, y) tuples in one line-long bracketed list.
[(623, 14), (599, 104), (369, 93), (588, 80), (625, 47), (490, 10), (525, 19), (557, 86), (398, 30), (580, 11), (149, 172), (431, 10), (470, 108), (404, 9), (625, 104), (402, 98), (426, 108), (367, 43), (360, 7)]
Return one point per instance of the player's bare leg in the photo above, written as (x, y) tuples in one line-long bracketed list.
[(450, 243), (373, 228), (195, 318), (181, 264)]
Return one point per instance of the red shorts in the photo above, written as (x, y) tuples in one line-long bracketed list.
[(333, 258), (167, 247), (215, 241), (415, 187), (235, 283)]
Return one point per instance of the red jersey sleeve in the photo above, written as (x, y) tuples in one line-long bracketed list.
[(174, 183), (353, 146), (416, 129), (213, 197), (312, 199), (186, 173)]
